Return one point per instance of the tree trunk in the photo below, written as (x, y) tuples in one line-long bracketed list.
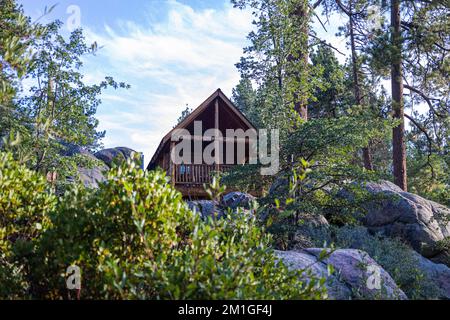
[(301, 100), (300, 16), (367, 155), (398, 133)]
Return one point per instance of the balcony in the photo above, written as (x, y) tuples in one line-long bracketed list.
[(196, 174)]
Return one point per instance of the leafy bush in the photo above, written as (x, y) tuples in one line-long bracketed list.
[(134, 237), (429, 174), (12, 279), (134, 217), (329, 148), (223, 259), (397, 258), (295, 207), (247, 179), (25, 203)]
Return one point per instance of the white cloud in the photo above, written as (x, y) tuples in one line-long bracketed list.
[(169, 63)]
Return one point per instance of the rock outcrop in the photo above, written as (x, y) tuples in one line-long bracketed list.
[(312, 230), (422, 223), (356, 276), (438, 274), (206, 208), (114, 155), (236, 199), (92, 176), (230, 202)]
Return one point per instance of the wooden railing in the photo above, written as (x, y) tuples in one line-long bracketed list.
[(196, 173)]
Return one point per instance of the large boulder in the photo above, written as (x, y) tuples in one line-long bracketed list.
[(422, 223), (116, 155), (438, 274), (312, 230), (89, 176), (280, 186), (103, 160), (236, 199), (230, 202), (206, 208), (300, 260), (355, 277)]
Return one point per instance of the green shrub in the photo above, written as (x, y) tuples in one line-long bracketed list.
[(248, 179), (12, 280), (227, 258), (135, 237), (92, 227), (25, 202), (429, 176), (397, 258)]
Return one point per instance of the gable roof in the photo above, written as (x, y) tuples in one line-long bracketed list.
[(194, 114)]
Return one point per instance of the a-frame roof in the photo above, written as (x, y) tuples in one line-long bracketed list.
[(194, 114)]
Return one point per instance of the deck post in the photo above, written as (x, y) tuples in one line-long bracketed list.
[(216, 140), (171, 164)]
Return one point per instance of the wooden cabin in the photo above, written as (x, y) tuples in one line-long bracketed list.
[(216, 112)]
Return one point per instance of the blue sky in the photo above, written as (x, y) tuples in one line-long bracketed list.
[(172, 53)]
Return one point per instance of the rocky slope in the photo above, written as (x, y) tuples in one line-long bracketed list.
[(90, 177), (357, 275), (422, 223)]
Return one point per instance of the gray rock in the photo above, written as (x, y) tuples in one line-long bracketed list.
[(229, 203), (114, 155), (438, 274), (298, 260), (314, 220), (420, 222), (354, 270), (280, 186), (383, 185), (355, 267), (90, 177), (312, 231), (206, 208), (236, 199)]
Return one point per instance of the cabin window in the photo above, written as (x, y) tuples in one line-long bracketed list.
[(184, 169)]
